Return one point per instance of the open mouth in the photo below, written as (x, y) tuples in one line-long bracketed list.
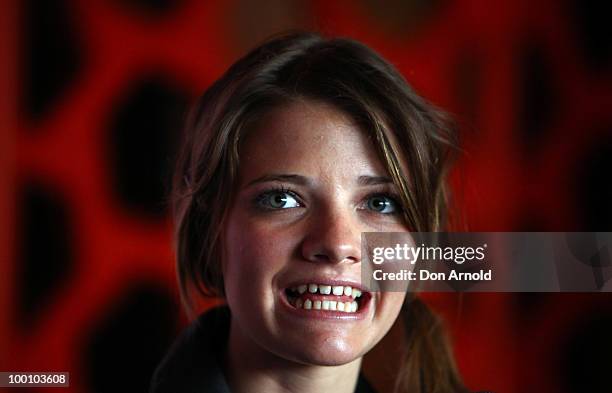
[(321, 297)]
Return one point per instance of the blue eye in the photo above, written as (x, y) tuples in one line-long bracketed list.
[(382, 204), (278, 200)]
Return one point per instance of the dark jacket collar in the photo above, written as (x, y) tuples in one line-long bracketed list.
[(193, 364)]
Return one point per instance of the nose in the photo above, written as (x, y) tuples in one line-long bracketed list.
[(333, 236)]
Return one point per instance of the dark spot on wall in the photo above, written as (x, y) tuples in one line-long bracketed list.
[(44, 254), (144, 130), (593, 187), (529, 304), (51, 55), (156, 8), (531, 219), (538, 97), (586, 362), (592, 23), (129, 342)]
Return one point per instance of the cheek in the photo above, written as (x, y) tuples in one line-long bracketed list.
[(390, 306), (254, 254)]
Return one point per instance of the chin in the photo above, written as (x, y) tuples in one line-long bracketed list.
[(330, 352)]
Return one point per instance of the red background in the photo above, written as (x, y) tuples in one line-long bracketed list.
[(94, 92)]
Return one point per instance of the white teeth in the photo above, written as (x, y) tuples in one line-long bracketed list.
[(332, 305), (337, 290)]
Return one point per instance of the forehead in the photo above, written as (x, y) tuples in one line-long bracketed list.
[(311, 138)]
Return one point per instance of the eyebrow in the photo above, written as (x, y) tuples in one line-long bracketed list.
[(288, 178), (303, 180), (373, 180)]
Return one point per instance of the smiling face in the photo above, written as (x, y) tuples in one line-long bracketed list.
[(310, 182)]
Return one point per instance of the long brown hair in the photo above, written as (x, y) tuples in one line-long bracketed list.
[(413, 140)]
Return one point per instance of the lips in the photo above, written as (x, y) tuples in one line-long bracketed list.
[(327, 298)]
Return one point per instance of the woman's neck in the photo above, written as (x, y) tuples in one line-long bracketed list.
[(251, 368)]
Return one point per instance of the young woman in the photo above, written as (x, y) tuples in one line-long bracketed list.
[(301, 146)]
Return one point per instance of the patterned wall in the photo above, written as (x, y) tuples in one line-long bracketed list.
[(97, 91)]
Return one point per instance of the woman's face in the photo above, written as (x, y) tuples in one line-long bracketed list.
[(310, 183)]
